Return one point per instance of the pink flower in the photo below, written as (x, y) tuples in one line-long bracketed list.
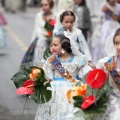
[(28, 88)]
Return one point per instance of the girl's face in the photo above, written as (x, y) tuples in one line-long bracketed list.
[(56, 46), (68, 22), (117, 44), (45, 6)]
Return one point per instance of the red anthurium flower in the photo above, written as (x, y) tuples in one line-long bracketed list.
[(88, 102), (52, 22), (24, 90), (49, 34), (28, 88), (96, 78), (29, 83)]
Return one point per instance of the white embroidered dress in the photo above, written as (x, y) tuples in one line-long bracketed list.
[(113, 110), (58, 108)]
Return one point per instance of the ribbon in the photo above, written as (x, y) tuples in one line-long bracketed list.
[(60, 69)]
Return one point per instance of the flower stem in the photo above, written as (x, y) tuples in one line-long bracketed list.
[(24, 106)]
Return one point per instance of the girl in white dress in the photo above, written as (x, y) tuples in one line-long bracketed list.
[(57, 67), (111, 65), (68, 21), (41, 36)]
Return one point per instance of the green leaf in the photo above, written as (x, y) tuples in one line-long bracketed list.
[(27, 69), (48, 27), (78, 100), (42, 95), (19, 78)]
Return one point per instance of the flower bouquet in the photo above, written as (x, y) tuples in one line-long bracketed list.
[(49, 26), (31, 81), (89, 97)]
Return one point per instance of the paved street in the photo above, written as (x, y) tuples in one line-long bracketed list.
[(18, 33)]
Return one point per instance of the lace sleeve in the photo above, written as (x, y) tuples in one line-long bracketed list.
[(101, 62), (49, 72)]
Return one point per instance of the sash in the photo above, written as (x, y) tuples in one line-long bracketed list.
[(55, 63), (110, 13), (110, 67)]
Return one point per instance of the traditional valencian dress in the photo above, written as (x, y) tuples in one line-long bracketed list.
[(112, 66), (40, 41), (58, 108)]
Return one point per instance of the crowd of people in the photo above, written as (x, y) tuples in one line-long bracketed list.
[(66, 28), (68, 40)]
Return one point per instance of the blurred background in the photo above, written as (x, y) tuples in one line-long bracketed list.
[(16, 28)]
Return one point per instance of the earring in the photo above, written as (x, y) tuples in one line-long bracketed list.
[(62, 51)]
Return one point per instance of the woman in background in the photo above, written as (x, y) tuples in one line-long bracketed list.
[(83, 14), (110, 22), (42, 33)]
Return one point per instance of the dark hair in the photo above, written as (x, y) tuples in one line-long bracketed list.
[(65, 42), (117, 33), (83, 3), (51, 3), (66, 13)]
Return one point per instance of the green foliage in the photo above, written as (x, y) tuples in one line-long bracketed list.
[(20, 77), (47, 53), (100, 105), (48, 27), (41, 93), (78, 100)]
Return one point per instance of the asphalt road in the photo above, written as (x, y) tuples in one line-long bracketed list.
[(18, 35)]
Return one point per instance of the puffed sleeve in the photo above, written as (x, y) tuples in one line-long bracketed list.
[(101, 62), (49, 72), (83, 67)]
